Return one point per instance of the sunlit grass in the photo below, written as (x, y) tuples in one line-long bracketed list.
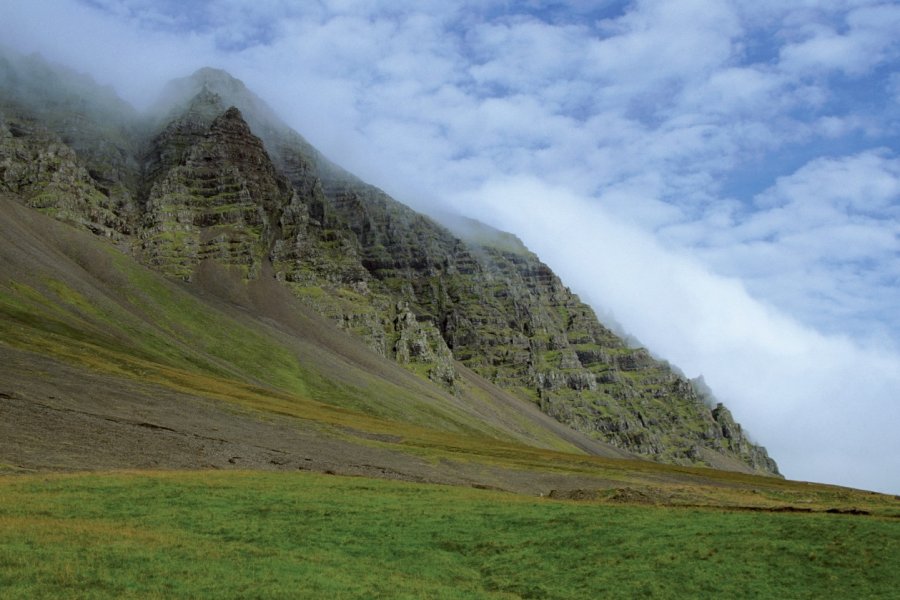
[(233, 535)]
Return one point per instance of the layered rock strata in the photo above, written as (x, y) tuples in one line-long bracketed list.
[(221, 179)]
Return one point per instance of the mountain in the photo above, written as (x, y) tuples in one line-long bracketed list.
[(225, 247)]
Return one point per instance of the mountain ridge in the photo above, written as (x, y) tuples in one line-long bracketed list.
[(221, 183)]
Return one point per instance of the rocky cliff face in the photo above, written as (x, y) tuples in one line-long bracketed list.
[(54, 115), (37, 165), (213, 195), (221, 179)]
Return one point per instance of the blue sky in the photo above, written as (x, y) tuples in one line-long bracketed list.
[(721, 178)]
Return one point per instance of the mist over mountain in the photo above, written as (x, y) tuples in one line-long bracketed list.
[(214, 190)]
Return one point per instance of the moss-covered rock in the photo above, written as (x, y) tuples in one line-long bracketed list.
[(220, 179)]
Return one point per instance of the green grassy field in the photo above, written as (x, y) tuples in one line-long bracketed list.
[(249, 535)]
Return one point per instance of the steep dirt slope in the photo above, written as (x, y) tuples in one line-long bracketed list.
[(69, 296)]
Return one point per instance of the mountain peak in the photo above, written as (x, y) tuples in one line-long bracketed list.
[(222, 183), (209, 82), (216, 79), (233, 113)]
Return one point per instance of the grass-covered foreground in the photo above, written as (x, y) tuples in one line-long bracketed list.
[(248, 535)]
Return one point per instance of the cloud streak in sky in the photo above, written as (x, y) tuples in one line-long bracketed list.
[(723, 177), (823, 404)]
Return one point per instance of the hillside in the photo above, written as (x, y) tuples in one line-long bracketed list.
[(225, 248)]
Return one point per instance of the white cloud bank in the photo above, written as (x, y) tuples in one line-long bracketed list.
[(722, 176), (825, 406)]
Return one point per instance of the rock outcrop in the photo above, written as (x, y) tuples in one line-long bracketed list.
[(213, 195), (221, 179)]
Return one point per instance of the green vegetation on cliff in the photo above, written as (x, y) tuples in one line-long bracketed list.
[(219, 182)]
